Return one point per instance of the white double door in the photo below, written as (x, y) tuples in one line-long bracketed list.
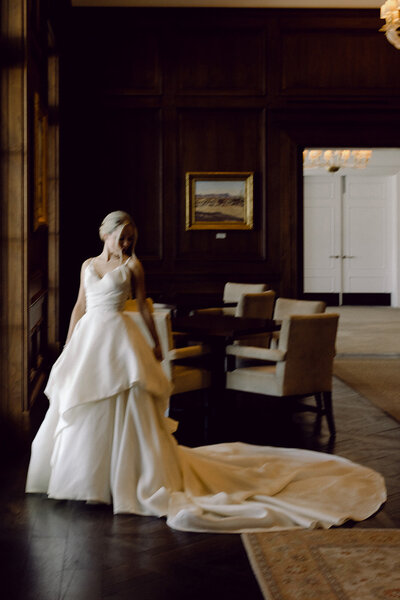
[(347, 234)]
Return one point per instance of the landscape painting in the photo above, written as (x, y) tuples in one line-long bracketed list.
[(219, 200)]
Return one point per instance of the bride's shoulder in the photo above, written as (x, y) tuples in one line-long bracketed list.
[(86, 263), (134, 264)]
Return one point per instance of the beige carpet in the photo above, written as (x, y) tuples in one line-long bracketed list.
[(368, 353), (334, 564), (368, 330), (378, 380)]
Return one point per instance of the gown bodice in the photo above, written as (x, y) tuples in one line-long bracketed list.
[(107, 352), (110, 292)]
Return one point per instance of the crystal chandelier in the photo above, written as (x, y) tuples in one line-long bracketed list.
[(390, 11), (333, 160)]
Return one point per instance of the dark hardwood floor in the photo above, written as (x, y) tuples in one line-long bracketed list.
[(52, 550)]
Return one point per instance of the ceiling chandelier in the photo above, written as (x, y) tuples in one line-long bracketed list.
[(333, 160), (390, 11)]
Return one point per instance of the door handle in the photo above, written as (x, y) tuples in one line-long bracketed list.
[(335, 256), (348, 256)]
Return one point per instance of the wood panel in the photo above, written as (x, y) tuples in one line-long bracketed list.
[(342, 54), (220, 82), (213, 61), (37, 345), (337, 62), (133, 173), (126, 60), (37, 307), (119, 162), (216, 140), (14, 220)]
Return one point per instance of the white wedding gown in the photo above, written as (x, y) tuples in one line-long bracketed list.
[(105, 439)]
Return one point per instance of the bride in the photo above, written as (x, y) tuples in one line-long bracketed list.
[(105, 437)]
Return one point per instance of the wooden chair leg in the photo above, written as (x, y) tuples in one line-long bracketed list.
[(319, 403), (327, 397), (320, 412)]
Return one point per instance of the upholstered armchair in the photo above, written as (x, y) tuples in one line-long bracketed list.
[(285, 307), (179, 338), (257, 306), (301, 366), (232, 294), (184, 378), (190, 381)]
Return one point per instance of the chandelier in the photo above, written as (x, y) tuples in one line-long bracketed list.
[(390, 11), (333, 160)]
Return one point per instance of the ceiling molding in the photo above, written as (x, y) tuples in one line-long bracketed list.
[(232, 3)]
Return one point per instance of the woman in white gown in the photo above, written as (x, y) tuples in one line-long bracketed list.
[(105, 437)]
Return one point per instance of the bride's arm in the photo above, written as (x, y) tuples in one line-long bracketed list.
[(80, 305), (140, 294)]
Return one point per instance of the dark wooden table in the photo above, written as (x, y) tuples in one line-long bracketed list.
[(225, 327), (218, 331)]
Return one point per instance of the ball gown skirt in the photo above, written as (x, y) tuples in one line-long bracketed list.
[(105, 438)]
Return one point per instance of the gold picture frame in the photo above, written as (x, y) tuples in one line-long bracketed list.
[(39, 164), (219, 200)]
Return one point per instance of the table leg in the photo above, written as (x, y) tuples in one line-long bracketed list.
[(220, 415)]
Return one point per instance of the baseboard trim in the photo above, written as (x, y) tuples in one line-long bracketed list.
[(330, 299), (367, 299), (352, 299)]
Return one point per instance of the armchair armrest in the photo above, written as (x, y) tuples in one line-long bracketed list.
[(256, 352), (187, 352)]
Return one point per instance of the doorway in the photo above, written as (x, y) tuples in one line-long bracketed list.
[(351, 232)]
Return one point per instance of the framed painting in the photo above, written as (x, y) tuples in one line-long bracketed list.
[(216, 200)]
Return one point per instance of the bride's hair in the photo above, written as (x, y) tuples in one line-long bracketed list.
[(115, 219)]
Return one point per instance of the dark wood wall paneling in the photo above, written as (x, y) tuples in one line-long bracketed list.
[(37, 235), (342, 56), (151, 94)]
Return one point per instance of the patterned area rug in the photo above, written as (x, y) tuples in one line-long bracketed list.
[(334, 564)]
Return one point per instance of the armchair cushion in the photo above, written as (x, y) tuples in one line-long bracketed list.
[(286, 307), (187, 379), (187, 352), (256, 380), (256, 352), (233, 291)]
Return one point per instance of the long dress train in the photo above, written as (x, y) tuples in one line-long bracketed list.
[(105, 438)]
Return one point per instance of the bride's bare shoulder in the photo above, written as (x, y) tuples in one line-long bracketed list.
[(86, 263), (134, 264)]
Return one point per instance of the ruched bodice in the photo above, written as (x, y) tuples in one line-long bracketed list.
[(109, 292)]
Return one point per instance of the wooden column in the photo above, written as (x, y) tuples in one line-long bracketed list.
[(14, 220), (53, 183)]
